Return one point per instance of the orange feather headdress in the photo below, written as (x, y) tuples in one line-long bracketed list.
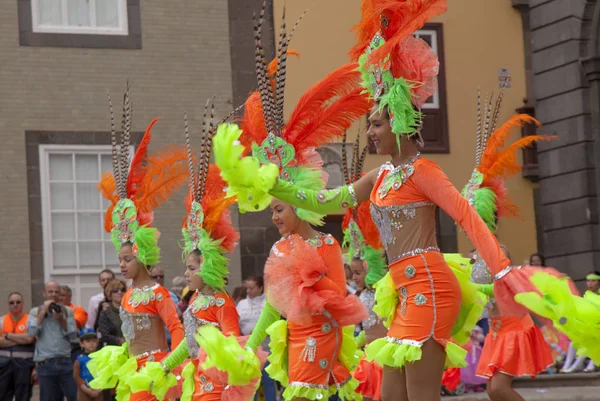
[(398, 70), (485, 190), (134, 191)]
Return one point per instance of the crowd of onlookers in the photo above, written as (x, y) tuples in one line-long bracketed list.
[(51, 344)]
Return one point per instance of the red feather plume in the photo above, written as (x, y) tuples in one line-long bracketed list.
[(253, 122), (165, 173), (137, 171), (338, 83), (404, 17)]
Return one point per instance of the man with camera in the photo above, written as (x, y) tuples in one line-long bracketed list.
[(54, 326)]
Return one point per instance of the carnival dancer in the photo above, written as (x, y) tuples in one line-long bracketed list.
[(515, 346), (367, 261), (133, 192), (208, 235), (311, 354), (399, 72)]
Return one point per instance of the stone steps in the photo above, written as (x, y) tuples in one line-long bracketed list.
[(560, 380)]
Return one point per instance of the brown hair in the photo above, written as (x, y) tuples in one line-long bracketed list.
[(258, 280), (111, 285), (15, 293)]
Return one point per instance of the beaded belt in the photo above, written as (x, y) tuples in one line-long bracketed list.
[(148, 353), (412, 253)]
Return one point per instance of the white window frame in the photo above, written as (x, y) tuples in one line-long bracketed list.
[(432, 33), (122, 29), (44, 153)]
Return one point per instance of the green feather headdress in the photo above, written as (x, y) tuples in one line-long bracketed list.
[(135, 190), (207, 227)]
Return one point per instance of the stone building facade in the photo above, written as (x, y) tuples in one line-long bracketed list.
[(563, 69), (54, 79)]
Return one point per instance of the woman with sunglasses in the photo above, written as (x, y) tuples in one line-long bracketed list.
[(109, 322)]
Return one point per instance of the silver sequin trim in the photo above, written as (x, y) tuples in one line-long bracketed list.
[(414, 252), (400, 342), (505, 271), (420, 299), (481, 273), (353, 195), (404, 294), (132, 322), (149, 353), (388, 217), (308, 385), (367, 297)]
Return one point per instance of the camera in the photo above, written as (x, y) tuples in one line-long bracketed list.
[(54, 307)]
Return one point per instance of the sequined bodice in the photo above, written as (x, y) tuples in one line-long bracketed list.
[(404, 216), (481, 273), (141, 325), (367, 297), (201, 311)]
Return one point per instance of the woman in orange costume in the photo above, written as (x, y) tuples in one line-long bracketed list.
[(399, 71), (146, 307), (515, 346), (208, 235), (304, 276)]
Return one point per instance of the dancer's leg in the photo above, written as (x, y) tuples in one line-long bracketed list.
[(393, 385), (424, 377), (499, 388)]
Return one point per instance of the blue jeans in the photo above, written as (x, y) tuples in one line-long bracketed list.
[(56, 380), (268, 386)]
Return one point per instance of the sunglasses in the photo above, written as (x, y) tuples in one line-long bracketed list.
[(117, 290), (14, 303), (158, 276)]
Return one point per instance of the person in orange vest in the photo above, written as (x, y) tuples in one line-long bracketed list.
[(16, 352), (81, 316)]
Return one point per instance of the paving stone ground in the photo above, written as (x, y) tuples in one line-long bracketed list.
[(589, 393)]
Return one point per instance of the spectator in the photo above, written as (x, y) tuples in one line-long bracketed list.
[(109, 322), (186, 295), (177, 286), (89, 343), (249, 310), (54, 326), (95, 302), (66, 295), (537, 259), (158, 275), (239, 293), (16, 352)]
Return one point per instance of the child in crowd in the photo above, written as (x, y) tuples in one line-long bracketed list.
[(88, 340)]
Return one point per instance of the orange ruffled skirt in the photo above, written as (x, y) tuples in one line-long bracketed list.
[(370, 376), (515, 347)]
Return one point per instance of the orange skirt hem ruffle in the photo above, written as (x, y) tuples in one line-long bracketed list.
[(514, 347)]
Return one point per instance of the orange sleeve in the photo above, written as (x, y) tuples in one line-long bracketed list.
[(335, 279), (436, 186), (228, 319), (80, 316), (168, 313)]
